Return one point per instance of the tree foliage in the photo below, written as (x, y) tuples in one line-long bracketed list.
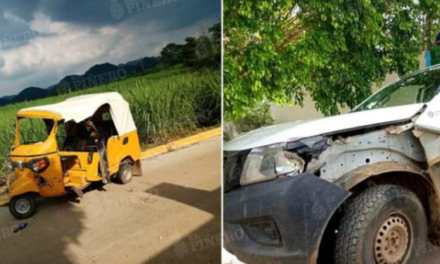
[(429, 22), (201, 52), (261, 116), (171, 54), (279, 50)]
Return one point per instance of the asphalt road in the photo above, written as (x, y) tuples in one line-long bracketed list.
[(432, 256), (427, 254), (170, 215)]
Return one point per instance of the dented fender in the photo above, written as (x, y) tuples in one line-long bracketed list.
[(364, 173), (23, 185)]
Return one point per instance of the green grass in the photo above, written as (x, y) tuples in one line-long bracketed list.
[(165, 105)]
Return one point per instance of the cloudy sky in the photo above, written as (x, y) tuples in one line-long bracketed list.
[(41, 41)]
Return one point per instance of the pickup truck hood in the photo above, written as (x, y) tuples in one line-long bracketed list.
[(303, 129)]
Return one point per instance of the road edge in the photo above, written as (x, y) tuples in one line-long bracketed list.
[(4, 199), (174, 145), (181, 143)]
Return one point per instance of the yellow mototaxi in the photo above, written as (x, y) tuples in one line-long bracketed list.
[(64, 147)]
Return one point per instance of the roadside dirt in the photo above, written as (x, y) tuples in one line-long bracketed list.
[(4, 178), (170, 215)]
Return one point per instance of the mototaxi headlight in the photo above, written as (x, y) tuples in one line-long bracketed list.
[(38, 165), (266, 163)]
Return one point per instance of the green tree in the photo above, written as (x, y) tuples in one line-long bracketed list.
[(200, 52), (216, 40), (280, 50), (261, 116), (189, 52), (430, 10), (216, 33), (171, 54)]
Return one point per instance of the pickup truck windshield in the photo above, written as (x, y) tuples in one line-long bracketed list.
[(413, 89)]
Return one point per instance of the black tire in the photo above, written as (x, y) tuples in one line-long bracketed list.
[(361, 238), (23, 206), (124, 174)]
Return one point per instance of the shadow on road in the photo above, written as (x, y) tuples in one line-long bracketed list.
[(202, 245), (429, 253), (41, 241)]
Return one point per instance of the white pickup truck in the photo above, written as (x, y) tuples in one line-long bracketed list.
[(358, 188)]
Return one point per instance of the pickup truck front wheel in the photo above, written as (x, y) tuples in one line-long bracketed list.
[(385, 224)]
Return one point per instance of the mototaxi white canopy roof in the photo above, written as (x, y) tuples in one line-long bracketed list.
[(82, 107)]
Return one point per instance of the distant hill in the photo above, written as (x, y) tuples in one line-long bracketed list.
[(97, 75), (9, 97), (100, 74), (30, 93), (101, 69), (147, 63), (4, 101), (140, 65), (51, 87), (132, 63), (66, 84)]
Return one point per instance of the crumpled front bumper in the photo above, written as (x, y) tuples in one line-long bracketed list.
[(280, 221)]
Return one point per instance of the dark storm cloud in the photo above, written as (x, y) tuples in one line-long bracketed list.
[(9, 24), (16, 15), (176, 14), (96, 13), (13, 31), (41, 41), (169, 14), (23, 9)]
